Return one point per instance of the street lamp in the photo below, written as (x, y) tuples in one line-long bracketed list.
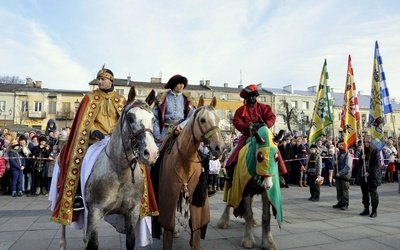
[(10, 113), (302, 122), (76, 103)]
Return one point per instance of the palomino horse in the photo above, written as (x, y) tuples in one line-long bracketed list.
[(180, 171), (256, 172), (116, 183)]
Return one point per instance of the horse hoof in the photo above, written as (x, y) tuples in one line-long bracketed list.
[(223, 225), (248, 242)]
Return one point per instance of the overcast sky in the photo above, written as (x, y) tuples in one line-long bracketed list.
[(276, 42)]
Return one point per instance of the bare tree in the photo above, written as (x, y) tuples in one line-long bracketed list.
[(289, 114), (11, 80)]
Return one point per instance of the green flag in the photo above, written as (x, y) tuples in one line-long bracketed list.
[(323, 110)]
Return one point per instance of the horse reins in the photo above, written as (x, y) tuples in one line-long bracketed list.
[(205, 135), (133, 152)]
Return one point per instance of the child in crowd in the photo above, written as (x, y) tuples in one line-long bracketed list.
[(17, 165), (214, 167)]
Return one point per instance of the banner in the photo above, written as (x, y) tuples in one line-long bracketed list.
[(380, 102), (350, 112), (323, 110)]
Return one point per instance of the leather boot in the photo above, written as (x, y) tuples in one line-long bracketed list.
[(373, 213), (305, 184), (300, 184), (365, 212)]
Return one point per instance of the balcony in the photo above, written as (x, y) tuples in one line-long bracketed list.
[(65, 115), (36, 114)]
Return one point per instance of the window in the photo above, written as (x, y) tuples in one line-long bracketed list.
[(219, 113), (2, 106), (202, 94), (142, 92), (52, 107), (263, 99), (120, 91), (306, 105), (224, 97), (294, 104), (24, 106), (229, 114), (66, 107), (38, 106)]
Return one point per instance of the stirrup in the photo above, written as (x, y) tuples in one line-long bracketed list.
[(78, 203)]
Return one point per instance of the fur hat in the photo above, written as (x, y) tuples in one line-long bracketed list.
[(42, 138), (22, 138), (252, 88), (173, 81), (105, 73), (313, 146)]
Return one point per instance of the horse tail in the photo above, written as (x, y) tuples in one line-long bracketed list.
[(279, 136)]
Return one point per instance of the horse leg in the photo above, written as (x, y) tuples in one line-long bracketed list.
[(168, 237), (248, 238), (131, 221), (63, 241), (224, 220), (195, 239), (251, 207), (94, 216), (267, 240)]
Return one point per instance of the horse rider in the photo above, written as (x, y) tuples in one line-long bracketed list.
[(251, 115), (96, 117), (172, 108)]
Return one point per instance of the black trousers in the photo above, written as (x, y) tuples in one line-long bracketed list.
[(369, 191), (314, 188)]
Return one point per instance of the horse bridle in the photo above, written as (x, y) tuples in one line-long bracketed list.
[(132, 154), (205, 134)]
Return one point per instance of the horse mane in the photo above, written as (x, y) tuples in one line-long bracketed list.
[(138, 103)]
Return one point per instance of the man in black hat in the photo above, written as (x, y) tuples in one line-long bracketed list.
[(172, 108)]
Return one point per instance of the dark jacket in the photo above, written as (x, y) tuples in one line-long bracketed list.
[(372, 166), (16, 160)]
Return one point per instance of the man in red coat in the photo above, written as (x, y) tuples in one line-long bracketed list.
[(251, 115)]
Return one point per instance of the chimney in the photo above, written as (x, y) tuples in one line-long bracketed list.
[(288, 88), (208, 83), (38, 84), (312, 88), (128, 78), (240, 86), (155, 80), (225, 85), (29, 82), (201, 82)]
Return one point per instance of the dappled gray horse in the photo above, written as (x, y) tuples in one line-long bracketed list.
[(116, 183)]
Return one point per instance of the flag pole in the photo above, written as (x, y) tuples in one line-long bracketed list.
[(363, 149), (394, 130)]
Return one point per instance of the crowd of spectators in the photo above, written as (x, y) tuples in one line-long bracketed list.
[(27, 160)]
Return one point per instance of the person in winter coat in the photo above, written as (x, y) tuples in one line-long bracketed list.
[(40, 159), (370, 178), (17, 165), (314, 169), (3, 163), (343, 171), (26, 152), (50, 127)]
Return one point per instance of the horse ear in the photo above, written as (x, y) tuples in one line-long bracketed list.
[(131, 95), (201, 101), (214, 102), (151, 97)]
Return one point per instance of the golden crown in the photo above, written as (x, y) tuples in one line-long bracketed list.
[(103, 73)]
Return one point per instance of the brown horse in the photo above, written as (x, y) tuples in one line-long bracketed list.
[(180, 172)]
